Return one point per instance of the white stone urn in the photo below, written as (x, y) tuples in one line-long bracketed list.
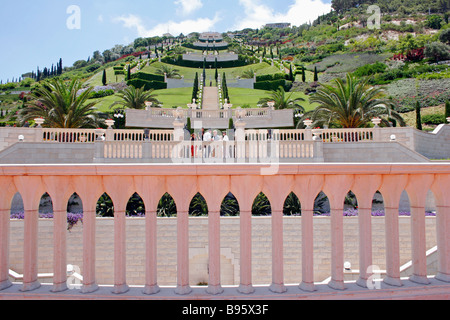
[(39, 122), (376, 122), (308, 123), (110, 123)]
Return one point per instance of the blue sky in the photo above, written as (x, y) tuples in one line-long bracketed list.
[(38, 33)]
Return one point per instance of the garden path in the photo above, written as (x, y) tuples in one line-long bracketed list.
[(210, 98)]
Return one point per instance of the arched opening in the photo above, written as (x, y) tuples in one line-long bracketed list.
[(167, 207), (105, 207), (230, 206), (135, 207), (292, 206), (350, 205), (198, 206), (322, 205), (46, 207), (261, 206)]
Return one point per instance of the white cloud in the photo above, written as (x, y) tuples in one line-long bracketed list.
[(188, 6), (301, 11), (175, 28)]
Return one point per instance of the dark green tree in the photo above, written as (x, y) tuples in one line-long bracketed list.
[(316, 75), (303, 74), (104, 77), (418, 116), (195, 89), (447, 109)]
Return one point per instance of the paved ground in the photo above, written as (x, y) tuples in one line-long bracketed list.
[(210, 98)]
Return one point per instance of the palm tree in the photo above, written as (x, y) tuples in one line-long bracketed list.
[(352, 104), (135, 98), (282, 101), (61, 105), (168, 71)]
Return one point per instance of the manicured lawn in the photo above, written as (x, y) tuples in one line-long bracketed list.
[(240, 97), (96, 80), (231, 73), (179, 97)]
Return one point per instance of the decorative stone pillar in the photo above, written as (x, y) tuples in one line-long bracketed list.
[(440, 189), (364, 189), (336, 188), (8, 191), (60, 190), (31, 190), (245, 196), (89, 189), (307, 188), (151, 190), (391, 189), (120, 189), (182, 189), (214, 189), (417, 189)]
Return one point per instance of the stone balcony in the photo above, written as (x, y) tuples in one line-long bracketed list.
[(245, 182)]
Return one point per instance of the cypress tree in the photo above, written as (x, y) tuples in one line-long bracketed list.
[(291, 74), (104, 77), (195, 89), (418, 116), (129, 73), (316, 76), (303, 74)]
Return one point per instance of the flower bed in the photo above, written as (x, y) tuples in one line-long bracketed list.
[(72, 218)]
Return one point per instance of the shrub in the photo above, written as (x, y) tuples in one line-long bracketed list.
[(101, 94), (271, 77), (148, 76), (437, 51), (370, 69), (435, 119), (273, 85), (147, 85)]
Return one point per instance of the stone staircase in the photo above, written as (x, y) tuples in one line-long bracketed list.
[(210, 98)]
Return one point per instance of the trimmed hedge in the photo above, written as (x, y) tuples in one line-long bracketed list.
[(147, 85), (147, 76), (271, 77), (273, 85)]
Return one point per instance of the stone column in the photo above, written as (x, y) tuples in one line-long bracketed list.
[(440, 189), (60, 190), (8, 191), (214, 286), (120, 189), (4, 249), (364, 189), (182, 189), (151, 190), (183, 287), (391, 189), (417, 189), (31, 190), (246, 252), (240, 187), (89, 189), (336, 188), (307, 188)]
